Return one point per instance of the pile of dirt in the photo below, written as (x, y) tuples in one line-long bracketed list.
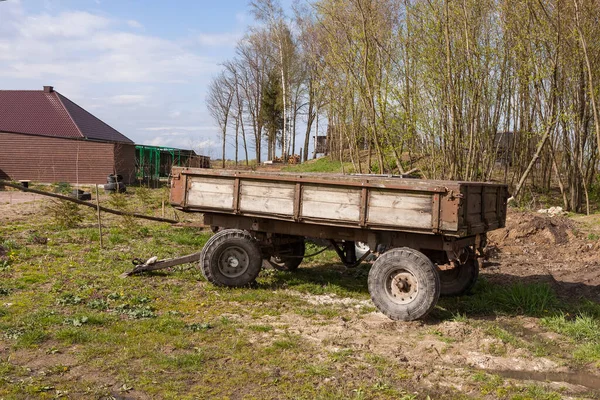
[(533, 229), (549, 249)]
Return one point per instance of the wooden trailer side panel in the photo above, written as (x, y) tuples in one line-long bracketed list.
[(484, 207), (450, 208), (388, 207), (213, 193), (266, 197), (337, 204)]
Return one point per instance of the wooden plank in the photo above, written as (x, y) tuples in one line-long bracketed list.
[(340, 204), (267, 197), (403, 210), (211, 193), (297, 201), (400, 201), (364, 206), (236, 195), (402, 219), (350, 196), (330, 211), (267, 189), (267, 206)]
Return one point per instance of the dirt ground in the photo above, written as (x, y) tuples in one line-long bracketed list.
[(561, 251), (554, 249)]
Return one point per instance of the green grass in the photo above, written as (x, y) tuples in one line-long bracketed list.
[(583, 330), (170, 334), (534, 299), (323, 164)]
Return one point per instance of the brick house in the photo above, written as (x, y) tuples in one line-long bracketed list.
[(45, 137)]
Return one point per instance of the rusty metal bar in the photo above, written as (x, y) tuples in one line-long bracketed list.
[(435, 213)]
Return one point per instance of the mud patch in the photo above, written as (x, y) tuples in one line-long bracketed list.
[(584, 379)]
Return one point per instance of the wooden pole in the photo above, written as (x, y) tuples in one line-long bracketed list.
[(99, 219), (163, 208)]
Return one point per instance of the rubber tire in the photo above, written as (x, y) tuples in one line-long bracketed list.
[(460, 280), (292, 264), (215, 247), (421, 268), (206, 246)]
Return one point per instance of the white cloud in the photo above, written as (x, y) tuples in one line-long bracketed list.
[(219, 39), (86, 47), (65, 25), (127, 99), (150, 88), (180, 128), (134, 24)]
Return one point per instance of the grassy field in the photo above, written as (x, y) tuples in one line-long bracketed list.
[(71, 328)]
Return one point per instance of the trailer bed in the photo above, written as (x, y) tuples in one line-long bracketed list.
[(449, 208)]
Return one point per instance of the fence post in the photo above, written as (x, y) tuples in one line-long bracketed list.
[(99, 219)]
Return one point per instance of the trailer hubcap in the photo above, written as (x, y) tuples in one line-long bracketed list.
[(233, 262), (402, 287)]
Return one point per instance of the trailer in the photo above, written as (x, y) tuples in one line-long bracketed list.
[(427, 235)]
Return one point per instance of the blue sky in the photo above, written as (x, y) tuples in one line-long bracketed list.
[(141, 66)]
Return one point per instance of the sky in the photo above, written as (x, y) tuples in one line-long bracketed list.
[(141, 66)]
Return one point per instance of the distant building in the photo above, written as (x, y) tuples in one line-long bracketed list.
[(45, 137)]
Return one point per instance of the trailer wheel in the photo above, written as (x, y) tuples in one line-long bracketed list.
[(460, 279), (290, 257), (404, 284), (231, 258)]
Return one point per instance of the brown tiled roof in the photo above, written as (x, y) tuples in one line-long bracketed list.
[(48, 113)]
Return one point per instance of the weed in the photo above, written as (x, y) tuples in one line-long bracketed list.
[(582, 327), (69, 299), (73, 335), (260, 328), (119, 201), (535, 299), (114, 296), (323, 164), (535, 392), (62, 187), (13, 333), (4, 264), (78, 321), (32, 338), (64, 214), (57, 370), (341, 354), (5, 291), (459, 317), (583, 330), (98, 304), (198, 327), (144, 195), (136, 311)]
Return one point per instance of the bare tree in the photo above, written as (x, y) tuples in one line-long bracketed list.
[(219, 99)]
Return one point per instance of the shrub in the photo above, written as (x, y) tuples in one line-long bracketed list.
[(64, 214)]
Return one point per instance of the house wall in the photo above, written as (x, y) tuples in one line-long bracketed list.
[(51, 159), (125, 161)]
